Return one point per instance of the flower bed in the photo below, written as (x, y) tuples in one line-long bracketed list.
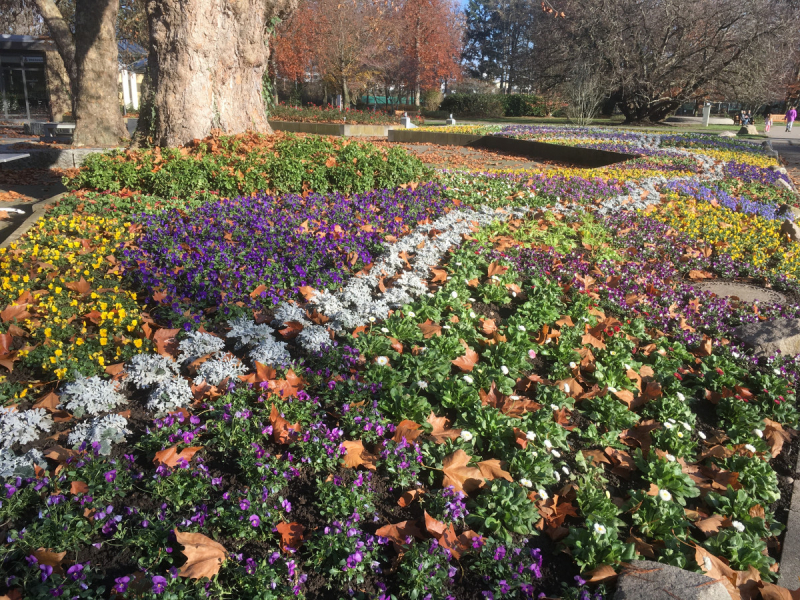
[(459, 380)]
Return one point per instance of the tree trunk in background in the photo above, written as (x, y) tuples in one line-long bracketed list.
[(97, 112), (207, 58), (58, 87)]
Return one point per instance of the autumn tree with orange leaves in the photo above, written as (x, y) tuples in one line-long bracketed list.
[(357, 45)]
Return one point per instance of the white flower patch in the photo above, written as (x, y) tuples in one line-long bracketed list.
[(23, 427), (12, 465), (218, 368), (247, 333), (272, 354), (169, 395), (146, 370), (107, 430), (197, 344), (91, 395), (314, 338)]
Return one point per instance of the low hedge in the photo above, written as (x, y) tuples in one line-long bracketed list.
[(248, 163), (495, 105)]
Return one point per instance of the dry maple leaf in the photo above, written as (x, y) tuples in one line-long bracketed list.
[(440, 431), (46, 556), (601, 574), (282, 431), (462, 477), (493, 469), (440, 275), (358, 456), (291, 536), (82, 286), (78, 487), (488, 327), (170, 456), (429, 329), (204, 556), (407, 430), (496, 268), (166, 343), (48, 402), (400, 533), (406, 498), (435, 528), (711, 525), (467, 362)]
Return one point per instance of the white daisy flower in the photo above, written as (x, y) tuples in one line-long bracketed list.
[(668, 425), (468, 379), (466, 435), (701, 435), (673, 421), (382, 360), (423, 385), (669, 457), (548, 444), (472, 315), (411, 314), (599, 529), (612, 389), (565, 470), (566, 388), (664, 495), (530, 436), (554, 407), (738, 526), (750, 447), (707, 564), (454, 295), (758, 433), (504, 370), (680, 434), (555, 453), (384, 330), (557, 475), (521, 327), (572, 365), (543, 494), (526, 482), (686, 426), (681, 397)]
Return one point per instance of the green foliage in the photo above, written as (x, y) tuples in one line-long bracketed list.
[(474, 105), (524, 105), (501, 509), (242, 165)]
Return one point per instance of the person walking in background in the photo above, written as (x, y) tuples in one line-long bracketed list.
[(791, 115), (767, 120)]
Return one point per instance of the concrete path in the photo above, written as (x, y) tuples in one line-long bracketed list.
[(788, 146)]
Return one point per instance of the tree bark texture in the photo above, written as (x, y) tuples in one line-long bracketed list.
[(58, 85), (207, 59), (98, 120)]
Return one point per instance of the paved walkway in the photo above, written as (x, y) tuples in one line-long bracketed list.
[(788, 146)]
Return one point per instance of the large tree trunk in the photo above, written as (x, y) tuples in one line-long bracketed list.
[(98, 121), (90, 59), (207, 59)]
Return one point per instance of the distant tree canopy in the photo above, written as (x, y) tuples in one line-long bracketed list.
[(655, 55), (358, 45)]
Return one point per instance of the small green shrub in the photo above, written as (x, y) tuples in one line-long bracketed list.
[(240, 165), (474, 105), (524, 105)]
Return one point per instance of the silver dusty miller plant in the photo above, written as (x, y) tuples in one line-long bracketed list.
[(23, 427), (272, 354), (91, 395), (146, 370), (218, 368), (107, 430), (197, 344), (12, 465), (247, 333), (170, 394)]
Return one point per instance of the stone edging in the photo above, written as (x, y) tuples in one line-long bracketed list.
[(789, 573), (587, 157), (52, 158), (338, 129), (37, 211)]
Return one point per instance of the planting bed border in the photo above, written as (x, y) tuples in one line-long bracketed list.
[(53, 158), (37, 210), (338, 129), (789, 573), (586, 157)]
